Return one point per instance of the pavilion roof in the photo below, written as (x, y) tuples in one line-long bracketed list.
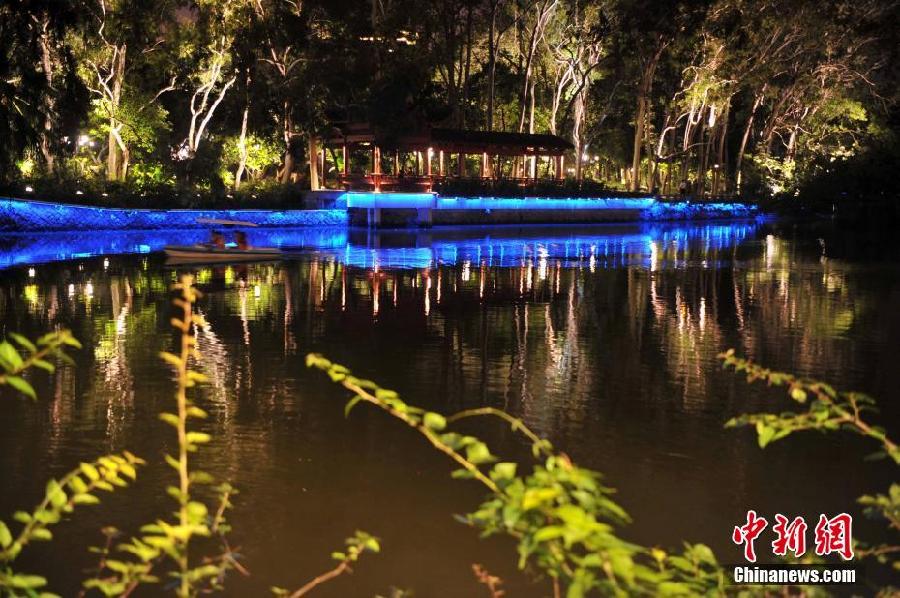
[(452, 140)]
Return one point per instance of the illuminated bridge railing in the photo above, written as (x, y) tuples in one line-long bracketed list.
[(20, 215)]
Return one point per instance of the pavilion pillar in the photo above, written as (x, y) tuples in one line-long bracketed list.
[(324, 170), (376, 173), (441, 163), (396, 162), (482, 169), (344, 156), (417, 162), (524, 166), (428, 162)]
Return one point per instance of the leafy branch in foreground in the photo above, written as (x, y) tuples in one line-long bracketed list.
[(171, 540), (78, 487), (360, 542), (561, 516), (14, 362), (827, 410)]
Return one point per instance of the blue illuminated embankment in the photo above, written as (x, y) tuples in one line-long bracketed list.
[(33, 216), (355, 199), (20, 215), (544, 203), (504, 210), (685, 210)]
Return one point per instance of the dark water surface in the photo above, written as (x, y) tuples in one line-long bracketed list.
[(603, 339)]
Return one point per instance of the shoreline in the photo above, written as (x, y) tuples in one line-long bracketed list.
[(345, 210)]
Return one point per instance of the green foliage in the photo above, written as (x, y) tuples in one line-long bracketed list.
[(163, 540), (826, 410), (15, 361), (562, 517), (262, 154), (78, 487)]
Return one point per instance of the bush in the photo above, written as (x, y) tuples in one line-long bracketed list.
[(267, 194)]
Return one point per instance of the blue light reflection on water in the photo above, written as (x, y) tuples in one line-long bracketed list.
[(635, 244), (35, 248)]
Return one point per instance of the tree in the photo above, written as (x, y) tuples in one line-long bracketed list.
[(126, 62)]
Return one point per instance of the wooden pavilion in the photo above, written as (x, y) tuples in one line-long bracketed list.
[(363, 159)]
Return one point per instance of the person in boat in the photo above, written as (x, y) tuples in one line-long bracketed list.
[(240, 238), (217, 240)]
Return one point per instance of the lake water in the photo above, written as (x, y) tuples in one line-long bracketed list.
[(603, 339)]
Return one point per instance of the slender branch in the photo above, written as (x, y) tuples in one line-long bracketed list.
[(343, 567)]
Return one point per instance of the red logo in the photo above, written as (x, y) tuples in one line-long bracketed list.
[(832, 536), (747, 534)]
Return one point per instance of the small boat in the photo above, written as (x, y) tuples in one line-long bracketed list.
[(217, 251), (207, 254)]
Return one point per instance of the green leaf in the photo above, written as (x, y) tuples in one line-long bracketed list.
[(548, 533), (534, 497), (26, 582), (198, 437), (478, 452), (56, 494), (5, 536), (41, 533), (85, 499), (22, 386), (766, 434), (799, 395), (350, 405), (90, 471), (10, 359), (77, 485), (22, 341), (44, 365), (171, 359), (503, 471), (170, 418), (435, 421)]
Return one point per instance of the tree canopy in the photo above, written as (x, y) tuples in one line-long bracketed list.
[(716, 96)]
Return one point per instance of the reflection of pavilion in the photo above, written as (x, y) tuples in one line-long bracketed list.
[(414, 161)]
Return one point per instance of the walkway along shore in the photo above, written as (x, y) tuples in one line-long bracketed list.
[(378, 210)]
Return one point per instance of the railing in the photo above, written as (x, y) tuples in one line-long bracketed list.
[(386, 183), (505, 187)]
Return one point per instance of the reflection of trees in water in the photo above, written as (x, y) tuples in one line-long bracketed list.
[(554, 341), (817, 301)]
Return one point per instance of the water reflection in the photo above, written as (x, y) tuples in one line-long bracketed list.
[(603, 339)]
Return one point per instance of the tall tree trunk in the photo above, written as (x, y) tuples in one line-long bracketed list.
[(700, 183), (242, 147), (114, 158), (643, 95), (744, 139), (313, 156), (638, 138), (49, 99), (544, 9), (721, 163), (468, 66), (287, 135), (492, 65)]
